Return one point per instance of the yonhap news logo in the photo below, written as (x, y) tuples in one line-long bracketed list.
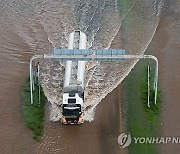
[(125, 139)]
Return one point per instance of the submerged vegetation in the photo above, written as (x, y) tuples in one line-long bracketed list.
[(33, 113), (141, 120)]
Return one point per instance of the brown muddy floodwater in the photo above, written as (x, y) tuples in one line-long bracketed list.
[(30, 27), (166, 46)]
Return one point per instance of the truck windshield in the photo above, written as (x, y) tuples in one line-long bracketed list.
[(70, 112)]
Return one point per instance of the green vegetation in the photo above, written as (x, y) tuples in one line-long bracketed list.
[(154, 110), (141, 120), (33, 113)]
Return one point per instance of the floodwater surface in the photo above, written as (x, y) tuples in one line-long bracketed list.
[(38, 26)]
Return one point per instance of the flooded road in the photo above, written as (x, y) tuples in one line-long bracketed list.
[(99, 136), (38, 26), (166, 46)]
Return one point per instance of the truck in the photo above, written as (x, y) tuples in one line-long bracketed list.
[(73, 87)]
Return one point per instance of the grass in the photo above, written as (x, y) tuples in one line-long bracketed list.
[(33, 113), (141, 120), (154, 110)]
